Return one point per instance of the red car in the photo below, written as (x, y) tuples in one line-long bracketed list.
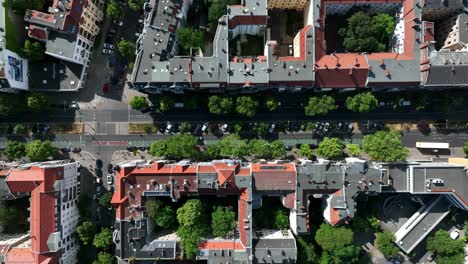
[(105, 88)]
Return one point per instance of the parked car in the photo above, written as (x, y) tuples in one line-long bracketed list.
[(99, 163), (168, 127), (108, 46), (430, 258), (110, 179), (74, 105), (65, 149), (455, 234), (288, 147), (204, 127), (76, 150), (107, 51), (197, 128), (272, 128), (98, 172), (110, 168), (224, 128), (98, 190)]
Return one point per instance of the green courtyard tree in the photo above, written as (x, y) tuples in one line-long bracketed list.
[(188, 37), (15, 150), (127, 49), (136, 5), (185, 127), (219, 105), (40, 150), (114, 10), (105, 199), (191, 213), (223, 220), (383, 24), (320, 105), (20, 129), (86, 231), (384, 146), (246, 105), (306, 151), (216, 9), (37, 102), (192, 226), (271, 104), (330, 147), (307, 249), (446, 249), (103, 239), (152, 207), (385, 244), (166, 217), (138, 102), (33, 50), (9, 215), (281, 219), (104, 258), (363, 102), (262, 128), (165, 103), (337, 242), (353, 149)]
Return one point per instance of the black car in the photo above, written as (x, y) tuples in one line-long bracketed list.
[(65, 149), (98, 163), (76, 150), (98, 172), (110, 168)]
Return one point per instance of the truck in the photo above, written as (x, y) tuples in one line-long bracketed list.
[(432, 145)]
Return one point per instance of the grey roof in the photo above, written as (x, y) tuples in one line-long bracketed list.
[(274, 250), (447, 68), (251, 8), (61, 45), (59, 75), (443, 4), (454, 178)]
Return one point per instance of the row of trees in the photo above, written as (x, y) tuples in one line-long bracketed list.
[(17, 103), (244, 105), (87, 233), (37, 150), (321, 105)]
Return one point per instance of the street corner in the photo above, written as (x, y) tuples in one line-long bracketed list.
[(122, 156)]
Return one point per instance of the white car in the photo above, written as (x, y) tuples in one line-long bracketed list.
[(108, 46), (455, 234), (110, 179), (204, 127), (107, 51), (74, 105), (168, 127)]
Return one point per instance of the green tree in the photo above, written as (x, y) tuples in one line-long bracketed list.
[(175, 147), (320, 105), (189, 38), (237, 127), (165, 103), (190, 237), (138, 102), (277, 149), (105, 199), (136, 5), (192, 226), (185, 127), (104, 258), (220, 105), (385, 244), (271, 104), (103, 239), (83, 205), (306, 151), (14, 150), (246, 105), (216, 9), (37, 102), (353, 149), (330, 147), (259, 148), (40, 150), (191, 213), (8, 214), (465, 148), (337, 242), (383, 25), (384, 146), (127, 49), (191, 102), (152, 208), (223, 220), (86, 231), (446, 249), (363, 102), (33, 50), (114, 11), (20, 6), (12, 104), (262, 128), (310, 126), (165, 217), (20, 129), (307, 249), (374, 223), (281, 219)]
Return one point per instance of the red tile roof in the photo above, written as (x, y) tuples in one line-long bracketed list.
[(221, 244)]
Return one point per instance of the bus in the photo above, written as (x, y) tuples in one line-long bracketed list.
[(432, 145)]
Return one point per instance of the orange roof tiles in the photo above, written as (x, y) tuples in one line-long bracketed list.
[(223, 244)]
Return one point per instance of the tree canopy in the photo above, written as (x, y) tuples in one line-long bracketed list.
[(465, 148), (166, 217), (138, 102), (220, 105), (320, 105), (385, 244), (23, 5), (271, 104), (136, 5), (353, 149), (261, 149), (306, 151), (223, 220), (103, 239), (188, 37), (330, 147), (363, 102), (8, 214), (12, 104), (216, 9), (165, 103), (126, 48), (307, 249), (20, 129), (192, 226), (104, 258), (367, 34), (175, 147), (384, 146), (105, 199), (37, 102), (337, 242), (14, 150), (281, 219), (86, 231), (40, 150), (33, 50), (246, 105), (191, 213), (114, 10), (445, 248)]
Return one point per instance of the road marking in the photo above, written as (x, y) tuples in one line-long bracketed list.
[(110, 143)]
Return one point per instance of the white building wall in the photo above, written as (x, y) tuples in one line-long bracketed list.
[(247, 30), (398, 37)]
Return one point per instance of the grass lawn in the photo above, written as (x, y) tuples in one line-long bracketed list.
[(10, 34), (139, 128)]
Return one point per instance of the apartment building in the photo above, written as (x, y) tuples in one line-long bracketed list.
[(54, 189), (68, 30), (337, 184)]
